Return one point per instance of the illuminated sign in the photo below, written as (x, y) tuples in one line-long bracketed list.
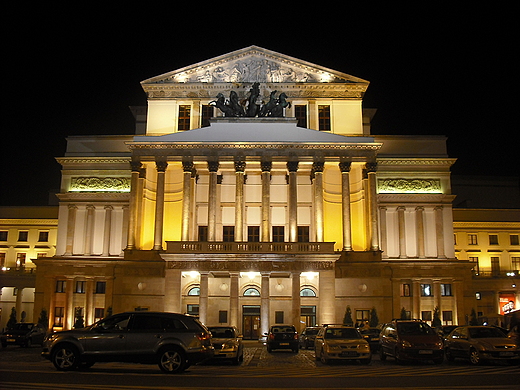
[(507, 303)]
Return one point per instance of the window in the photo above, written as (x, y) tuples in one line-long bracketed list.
[(513, 238), (476, 266), (184, 117), (406, 290), (2, 260), (80, 287), (472, 239), (447, 317), (426, 290), (23, 236), (493, 239), (478, 296), (446, 290), (60, 286), (278, 317), (307, 292), (303, 234), (253, 233), (251, 292), (203, 233), (59, 314), (300, 112), (3, 235), (308, 315), (100, 287), (43, 237), (222, 316), (207, 114), (362, 316), (495, 266), (515, 263), (324, 118), (426, 315), (192, 310), (278, 233), (194, 291), (99, 313), (20, 260), (228, 233)]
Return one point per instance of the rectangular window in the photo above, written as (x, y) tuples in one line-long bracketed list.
[(43, 237), (513, 239), (184, 117), (472, 239), (80, 287), (495, 266), (426, 290), (362, 316), (426, 315), (222, 316), (476, 266), (2, 260), (101, 287), (59, 314), (446, 290), (303, 234), (23, 236), (20, 260), (228, 233), (207, 114), (203, 233), (406, 290), (493, 239), (324, 118), (192, 310), (60, 286), (515, 263), (278, 233), (253, 233), (99, 313), (3, 235), (278, 317), (300, 112), (447, 317)]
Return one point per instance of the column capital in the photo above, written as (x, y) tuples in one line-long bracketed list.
[(213, 165), (318, 166), (292, 166), (371, 167), (240, 166), (161, 165), (266, 166), (135, 165), (344, 166), (187, 166)]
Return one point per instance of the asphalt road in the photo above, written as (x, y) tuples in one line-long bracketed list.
[(23, 368)]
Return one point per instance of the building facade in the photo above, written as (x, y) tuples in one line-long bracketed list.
[(251, 194)]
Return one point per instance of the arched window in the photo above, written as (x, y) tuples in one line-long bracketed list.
[(194, 291), (251, 292), (307, 292)]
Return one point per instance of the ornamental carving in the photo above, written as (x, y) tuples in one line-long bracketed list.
[(102, 184), (409, 186)]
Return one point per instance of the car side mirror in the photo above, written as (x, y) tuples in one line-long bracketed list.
[(265, 334)]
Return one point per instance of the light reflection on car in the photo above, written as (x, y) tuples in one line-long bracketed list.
[(227, 343)]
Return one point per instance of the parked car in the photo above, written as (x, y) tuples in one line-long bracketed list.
[(227, 343), (410, 340), (445, 330), (478, 343), (173, 341), (372, 336), (24, 334), (341, 342), (282, 337), (307, 337)]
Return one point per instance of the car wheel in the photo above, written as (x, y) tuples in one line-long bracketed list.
[(172, 360), (65, 357), (382, 355), (449, 355), (474, 357)]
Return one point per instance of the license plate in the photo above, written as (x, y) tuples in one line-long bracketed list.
[(507, 354), (425, 352), (11, 340), (284, 343), (349, 354)]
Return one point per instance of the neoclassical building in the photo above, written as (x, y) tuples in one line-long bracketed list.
[(253, 193)]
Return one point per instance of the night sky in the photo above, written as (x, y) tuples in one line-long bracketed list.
[(75, 71)]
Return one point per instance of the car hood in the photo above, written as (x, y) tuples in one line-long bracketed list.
[(345, 341), (493, 342), (421, 339)]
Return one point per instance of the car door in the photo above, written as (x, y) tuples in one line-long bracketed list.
[(459, 344), (108, 337), (145, 332), (318, 342)]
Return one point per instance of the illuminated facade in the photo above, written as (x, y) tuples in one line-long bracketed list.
[(252, 220)]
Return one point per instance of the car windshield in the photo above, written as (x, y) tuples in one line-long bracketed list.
[(414, 328), (222, 333), (23, 326), (283, 329), (311, 332), (342, 333), (480, 333)]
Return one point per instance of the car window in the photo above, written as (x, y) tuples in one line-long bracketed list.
[(283, 329), (414, 328), (478, 333), (117, 323), (222, 333), (146, 323), (342, 333), (311, 332)]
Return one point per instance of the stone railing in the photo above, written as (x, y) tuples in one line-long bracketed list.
[(248, 247)]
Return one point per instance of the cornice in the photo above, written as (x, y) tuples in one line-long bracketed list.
[(486, 225), (93, 160), (382, 161), (94, 197)]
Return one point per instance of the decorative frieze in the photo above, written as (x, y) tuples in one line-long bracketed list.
[(100, 184), (418, 186), (254, 266)]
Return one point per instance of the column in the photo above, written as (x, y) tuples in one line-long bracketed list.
[(327, 297), (71, 228), (107, 230), (266, 195), (292, 167), (416, 298), (437, 296), (212, 200), (264, 303), (384, 234), (132, 221), (439, 230), (344, 167), (296, 301), (124, 231), (317, 172), (419, 228), (19, 302), (203, 298), (402, 232), (240, 167), (187, 167), (161, 166), (87, 250), (233, 298), (69, 319), (89, 302), (172, 290), (372, 200)]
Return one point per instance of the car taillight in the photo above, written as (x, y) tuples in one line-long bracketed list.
[(203, 336), (296, 336), (271, 336)]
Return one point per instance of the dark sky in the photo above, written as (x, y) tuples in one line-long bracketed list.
[(75, 71)]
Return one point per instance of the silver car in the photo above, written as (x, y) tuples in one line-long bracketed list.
[(341, 342), (173, 341), (227, 343)]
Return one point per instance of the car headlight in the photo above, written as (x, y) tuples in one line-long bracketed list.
[(364, 346), (406, 344), (229, 344)]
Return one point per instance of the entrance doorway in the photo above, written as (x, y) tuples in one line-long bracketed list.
[(251, 322)]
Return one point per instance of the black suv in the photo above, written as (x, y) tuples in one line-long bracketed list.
[(24, 334), (173, 341), (282, 337)]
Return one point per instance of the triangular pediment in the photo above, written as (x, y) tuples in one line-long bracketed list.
[(254, 65)]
